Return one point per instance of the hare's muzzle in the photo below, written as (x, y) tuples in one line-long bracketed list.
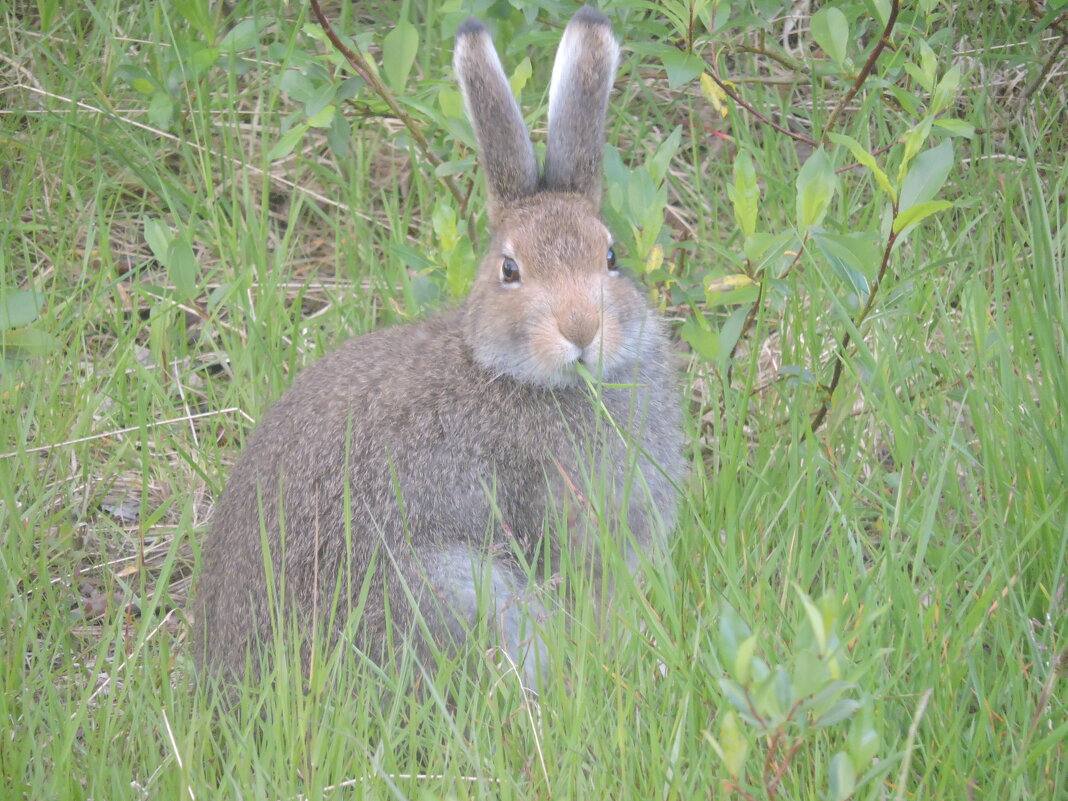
[(579, 326)]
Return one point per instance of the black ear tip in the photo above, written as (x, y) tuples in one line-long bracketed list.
[(472, 26), (590, 16)]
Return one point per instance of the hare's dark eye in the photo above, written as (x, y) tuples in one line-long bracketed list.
[(509, 271), (611, 258)]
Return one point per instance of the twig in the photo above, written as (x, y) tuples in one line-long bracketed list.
[(877, 152), (839, 358), (750, 318), (128, 430), (359, 63), (1048, 66), (713, 73), (865, 71), (788, 63)]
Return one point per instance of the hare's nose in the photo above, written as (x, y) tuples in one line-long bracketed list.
[(578, 326)]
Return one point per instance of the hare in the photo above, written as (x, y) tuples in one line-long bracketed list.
[(429, 476)]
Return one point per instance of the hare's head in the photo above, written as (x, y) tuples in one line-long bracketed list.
[(549, 295)]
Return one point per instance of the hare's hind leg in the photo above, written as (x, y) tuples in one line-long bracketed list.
[(469, 595)]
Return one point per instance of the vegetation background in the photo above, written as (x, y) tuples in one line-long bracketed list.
[(854, 215)]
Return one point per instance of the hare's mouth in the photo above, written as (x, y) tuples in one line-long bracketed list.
[(582, 364)]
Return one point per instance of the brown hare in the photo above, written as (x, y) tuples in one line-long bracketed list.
[(430, 474)]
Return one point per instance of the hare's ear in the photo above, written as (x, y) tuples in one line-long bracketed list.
[(503, 141), (583, 73)]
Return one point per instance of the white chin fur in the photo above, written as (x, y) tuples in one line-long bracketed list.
[(558, 373)]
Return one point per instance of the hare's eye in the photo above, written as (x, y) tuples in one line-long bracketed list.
[(611, 258), (509, 271)]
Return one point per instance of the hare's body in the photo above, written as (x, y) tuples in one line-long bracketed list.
[(440, 467), (483, 471)]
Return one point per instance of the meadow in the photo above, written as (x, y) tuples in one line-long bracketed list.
[(855, 219)]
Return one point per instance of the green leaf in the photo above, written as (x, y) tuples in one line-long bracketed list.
[(732, 631), (917, 75), (454, 167), (744, 194), (161, 110), (728, 336), (297, 85), (23, 342), (928, 64), (324, 119), (704, 341), (815, 621), (734, 746), (862, 743), (784, 688), (810, 673), (946, 90), (520, 75), (914, 140), (660, 161), (398, 53), (853, 257), (337, 136), (19, 307), (916, 213), (682, 67), (735, 695), (198, 15), (882, 8), (349, 87), (956, 127), (830, 29), (202, 59), (158, 237), (763, 248), (837, 713), (322, 97), (927, 175), (866, 159), (842, 779), (181, 267), (816, 185), (289, 140), (743, 659), (829, 695), (451, 102), (139, 79), (242, 36)]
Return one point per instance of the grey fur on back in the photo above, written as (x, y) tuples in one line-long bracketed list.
[(437, 458)]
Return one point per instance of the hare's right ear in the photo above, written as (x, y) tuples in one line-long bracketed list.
[(504, 145)]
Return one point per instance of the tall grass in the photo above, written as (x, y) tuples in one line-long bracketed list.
[(927, 518)]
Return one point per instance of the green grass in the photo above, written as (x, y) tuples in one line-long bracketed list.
[(931, 507)]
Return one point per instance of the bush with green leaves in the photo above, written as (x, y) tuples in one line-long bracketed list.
[(781, 710)]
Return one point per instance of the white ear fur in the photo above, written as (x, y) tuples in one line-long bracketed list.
[(583, 74), (578, 39)]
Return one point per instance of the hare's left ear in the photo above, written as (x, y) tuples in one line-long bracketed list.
[(583, 73)]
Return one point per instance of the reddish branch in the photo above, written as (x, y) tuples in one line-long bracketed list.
[(370, 76), (865, 71), (839, 357)]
